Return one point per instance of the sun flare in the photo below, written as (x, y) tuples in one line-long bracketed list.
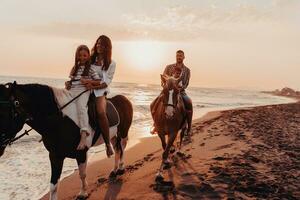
[(144, 55)]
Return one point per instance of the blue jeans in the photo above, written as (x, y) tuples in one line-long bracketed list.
[(187, 101)]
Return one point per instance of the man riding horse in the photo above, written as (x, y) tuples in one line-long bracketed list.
[(184, 77)]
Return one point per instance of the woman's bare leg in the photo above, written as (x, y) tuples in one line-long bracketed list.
[(82, 143), (104, 125)]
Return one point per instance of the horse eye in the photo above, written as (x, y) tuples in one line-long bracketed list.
[(17, 103)]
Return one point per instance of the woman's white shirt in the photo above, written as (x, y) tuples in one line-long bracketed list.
[(105, 76)]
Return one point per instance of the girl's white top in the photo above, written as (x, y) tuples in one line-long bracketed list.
[(105, 76), (77, 83)]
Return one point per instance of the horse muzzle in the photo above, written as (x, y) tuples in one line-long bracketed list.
[(170, 110)]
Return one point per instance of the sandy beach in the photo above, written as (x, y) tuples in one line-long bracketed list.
[(251, 153)]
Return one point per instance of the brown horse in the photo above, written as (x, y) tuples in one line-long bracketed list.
[(168, 113)]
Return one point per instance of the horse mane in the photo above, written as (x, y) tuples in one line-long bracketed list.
[(41, 98)]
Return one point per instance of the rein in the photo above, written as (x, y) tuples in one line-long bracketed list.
[(26, 132), (167, 104), (10, 142), (61, 108)]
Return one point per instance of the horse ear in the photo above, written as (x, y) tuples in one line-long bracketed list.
[(11, 86)]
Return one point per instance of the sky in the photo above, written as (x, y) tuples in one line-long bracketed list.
[(251, 44)]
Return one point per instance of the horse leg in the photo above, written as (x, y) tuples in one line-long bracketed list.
[(113, 173), (182, 132), (165, 156), (82, 163), (121, 169), (172, 148), (56, 168), (119, 145), (163, 140), (179, 153)]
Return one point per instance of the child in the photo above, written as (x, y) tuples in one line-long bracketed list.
[(81, 70), (177, 74)]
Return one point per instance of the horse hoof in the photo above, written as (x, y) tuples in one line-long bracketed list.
[(159, 178), (120, 172), (112, 175), (82, 197)]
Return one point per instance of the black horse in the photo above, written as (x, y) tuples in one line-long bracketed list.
[(35, 105)]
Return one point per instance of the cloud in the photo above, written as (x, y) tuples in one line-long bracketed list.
[(216, 22), (184, 23), (80, 30)]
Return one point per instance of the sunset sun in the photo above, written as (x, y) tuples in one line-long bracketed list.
[(144, 54)]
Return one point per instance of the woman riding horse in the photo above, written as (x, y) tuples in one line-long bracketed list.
[(37, 106)]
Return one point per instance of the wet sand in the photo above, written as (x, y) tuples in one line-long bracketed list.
[(251, 153)]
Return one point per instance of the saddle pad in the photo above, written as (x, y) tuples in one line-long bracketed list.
[(111, 112), (62, 96)]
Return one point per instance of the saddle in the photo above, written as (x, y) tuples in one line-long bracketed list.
[(111, 112)]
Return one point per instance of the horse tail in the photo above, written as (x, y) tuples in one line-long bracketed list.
[(125, 110)]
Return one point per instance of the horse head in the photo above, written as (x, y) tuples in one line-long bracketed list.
[(12, 119), (171, 94)]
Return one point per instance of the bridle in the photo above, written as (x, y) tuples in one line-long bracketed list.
[(15, 111), (168, 104), (166, 87)]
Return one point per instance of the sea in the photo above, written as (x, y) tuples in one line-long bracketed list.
[(25, 166)]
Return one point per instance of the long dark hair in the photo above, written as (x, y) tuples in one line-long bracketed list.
[(77, 63), (106, 42)]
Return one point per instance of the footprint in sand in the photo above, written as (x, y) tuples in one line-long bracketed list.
[(139, 163), (101, 181), (164, 187), (149, 157), (224, 146), (196, 191), (131, 168), (220, 158), (200, 176), (184, 156)]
